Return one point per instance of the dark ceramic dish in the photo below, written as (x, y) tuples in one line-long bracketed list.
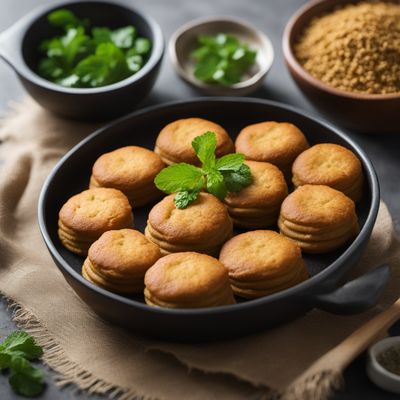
[(365, 113), (19, 44), (321, 290)]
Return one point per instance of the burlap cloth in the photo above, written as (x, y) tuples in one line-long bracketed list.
[(102, 358)]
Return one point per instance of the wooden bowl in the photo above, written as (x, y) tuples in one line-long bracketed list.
[(366, 113)]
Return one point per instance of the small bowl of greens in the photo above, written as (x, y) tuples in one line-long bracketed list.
[(85, 60), (221, 56)]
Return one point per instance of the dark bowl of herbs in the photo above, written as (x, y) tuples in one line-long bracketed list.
[(221, 56), (89, 60)]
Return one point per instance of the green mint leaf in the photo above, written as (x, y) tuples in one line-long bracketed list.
[(124, 37), (21, 344), (236, 180), (230, 162), (204, 147), (184, 198), (142, 45), (216, 185), (25, 379), (63, 18), (179, 177)]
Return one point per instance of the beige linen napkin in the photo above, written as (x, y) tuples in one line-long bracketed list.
[(103, 358)]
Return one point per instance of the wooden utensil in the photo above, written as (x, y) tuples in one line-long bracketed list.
[(325, 375)]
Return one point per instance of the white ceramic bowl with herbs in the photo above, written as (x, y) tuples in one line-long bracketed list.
[(244, 44)]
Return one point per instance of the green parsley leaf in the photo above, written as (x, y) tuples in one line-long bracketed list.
[(142, 45), (133, 60), (236, 180), (179, 177), (216, 185), (15, 352), (90, 58), (63, 18), (25, 379), (204, 147), (21, 344), (230, 162), (101, 35), (222, 59), (124, 37), (184, 198)]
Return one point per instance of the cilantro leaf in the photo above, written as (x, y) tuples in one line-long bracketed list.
[(222, 59), (63, 18), (25, 379), (90, 58), (15, 352), (179, 177), (142, 45), (21, 344), (124, 37), (215, 184), (236, 180), (184, 198), (230, 162), (204, 147), (101, 35)]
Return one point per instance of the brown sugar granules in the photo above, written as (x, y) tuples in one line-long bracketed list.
[(355, 48)]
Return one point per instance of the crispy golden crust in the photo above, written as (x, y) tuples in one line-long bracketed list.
[(261, 263), (276, 142), (174, 142), (258, 255), (95, 211), (187, 280), (329, 164), (318, 205), (203, 220), (122, 254), (210, 246), (132, 170)]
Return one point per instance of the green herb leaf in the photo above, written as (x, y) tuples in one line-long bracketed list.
[(63, 18), (25, 379), (98, 58), (179, 177), (222, 59), (133, 60), (101, 35), (236, 180), (124, 37), (20, 343), (184, 198), (15, 352), (204, 147), (142, 45), (216, 185), (230, 162)]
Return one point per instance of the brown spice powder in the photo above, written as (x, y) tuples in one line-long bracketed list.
[(355, 48)]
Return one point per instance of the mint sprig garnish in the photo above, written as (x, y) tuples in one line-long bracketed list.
[(216, 176), (15, 353)]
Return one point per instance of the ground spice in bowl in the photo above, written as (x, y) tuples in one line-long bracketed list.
[(354, 48), (390, 359)]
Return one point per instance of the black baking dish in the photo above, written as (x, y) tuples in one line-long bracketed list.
[(327, 271)]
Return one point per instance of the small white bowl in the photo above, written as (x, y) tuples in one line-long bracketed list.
[(378, 374), (184, 41)]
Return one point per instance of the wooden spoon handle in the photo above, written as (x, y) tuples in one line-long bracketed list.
[(341, 355)]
